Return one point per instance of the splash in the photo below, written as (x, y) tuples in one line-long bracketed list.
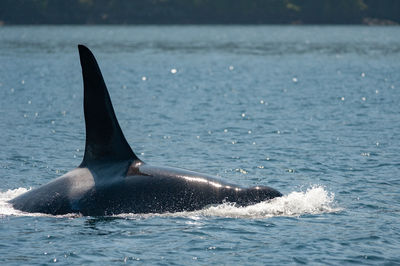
[(315, 200), (6, 208)]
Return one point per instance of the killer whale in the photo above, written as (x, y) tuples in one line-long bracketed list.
[(112, 180)]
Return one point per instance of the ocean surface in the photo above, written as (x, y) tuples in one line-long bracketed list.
[(313, 111)]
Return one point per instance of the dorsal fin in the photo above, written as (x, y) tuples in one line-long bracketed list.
[(105, 141)]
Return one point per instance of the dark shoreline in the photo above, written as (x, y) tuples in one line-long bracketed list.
[(199, 12), (205, 25)]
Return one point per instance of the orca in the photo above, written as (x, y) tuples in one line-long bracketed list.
[(112, 180)]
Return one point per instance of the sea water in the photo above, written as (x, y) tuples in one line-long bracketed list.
[(312, 111)]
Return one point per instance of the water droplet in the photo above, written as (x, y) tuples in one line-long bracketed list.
[(242, 171), (174, 71)]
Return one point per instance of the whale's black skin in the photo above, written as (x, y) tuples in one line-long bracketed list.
[(112, 179)]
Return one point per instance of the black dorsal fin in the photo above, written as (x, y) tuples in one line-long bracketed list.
[(104, 138)]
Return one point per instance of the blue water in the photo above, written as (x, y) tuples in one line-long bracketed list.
[(311, 111)]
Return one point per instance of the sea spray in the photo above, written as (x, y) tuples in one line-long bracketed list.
[(314, 200)]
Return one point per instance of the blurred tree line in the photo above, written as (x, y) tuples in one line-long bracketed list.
[(199, 11)]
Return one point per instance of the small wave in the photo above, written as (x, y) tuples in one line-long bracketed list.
[(315, 200)]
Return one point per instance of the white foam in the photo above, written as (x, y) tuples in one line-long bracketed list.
[(5, 207), (315, 200)]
